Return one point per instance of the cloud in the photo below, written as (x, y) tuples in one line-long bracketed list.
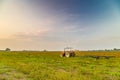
[(25, 24)]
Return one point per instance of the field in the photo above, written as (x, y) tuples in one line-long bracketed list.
[(50, 66)]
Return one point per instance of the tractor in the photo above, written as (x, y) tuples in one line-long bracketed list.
[(68, 52)]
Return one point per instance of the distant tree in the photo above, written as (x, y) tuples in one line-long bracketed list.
[(115, 49), (106, 50), (7, 49), (45, 50)]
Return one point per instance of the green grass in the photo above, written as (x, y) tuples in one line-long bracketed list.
[(49, 66)]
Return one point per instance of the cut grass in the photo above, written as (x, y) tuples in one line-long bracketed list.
[(49, 66), (8, 73)]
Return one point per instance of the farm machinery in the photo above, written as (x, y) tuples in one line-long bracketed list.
[(68, 52)]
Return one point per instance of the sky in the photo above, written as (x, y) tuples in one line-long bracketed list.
[(55, 24)]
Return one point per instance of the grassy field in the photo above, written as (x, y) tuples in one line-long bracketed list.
[(50, 66)]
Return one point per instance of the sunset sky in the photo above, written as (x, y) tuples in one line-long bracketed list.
[(55, 24)]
